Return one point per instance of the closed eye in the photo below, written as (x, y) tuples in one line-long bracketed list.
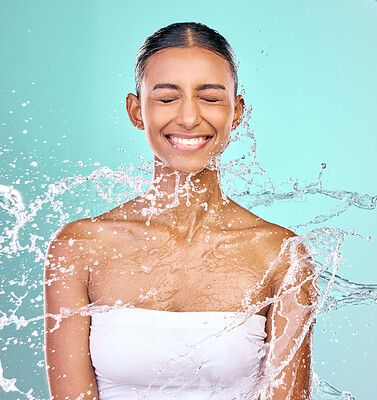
[(165, 101), (210, 99)]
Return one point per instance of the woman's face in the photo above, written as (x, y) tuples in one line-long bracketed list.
[(187, 107)]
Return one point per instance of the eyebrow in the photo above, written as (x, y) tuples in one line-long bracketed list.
[(165, 86), (200, 87), (211, 86)]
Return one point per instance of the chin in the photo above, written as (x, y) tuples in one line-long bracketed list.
[(187, 166)]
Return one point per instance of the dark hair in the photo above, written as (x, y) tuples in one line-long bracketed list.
[(184, 34)]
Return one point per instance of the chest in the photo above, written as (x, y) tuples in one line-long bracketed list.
[(212, 272)]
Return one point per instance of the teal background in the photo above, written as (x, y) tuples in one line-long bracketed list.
[(309, 71)]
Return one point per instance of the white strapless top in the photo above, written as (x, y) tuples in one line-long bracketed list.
[(148, 354)]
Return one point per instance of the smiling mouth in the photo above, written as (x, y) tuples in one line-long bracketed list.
[(194, 141)]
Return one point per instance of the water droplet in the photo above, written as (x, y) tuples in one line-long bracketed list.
[(146, 269)]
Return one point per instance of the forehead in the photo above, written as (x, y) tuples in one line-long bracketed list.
[(187, 65)]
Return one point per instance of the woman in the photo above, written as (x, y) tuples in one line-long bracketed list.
[(193, 283)]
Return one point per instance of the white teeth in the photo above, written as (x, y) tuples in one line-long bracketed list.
[(190, 142)]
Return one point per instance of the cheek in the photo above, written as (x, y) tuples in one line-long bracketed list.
[(155, 119), (223, 113), (222, 120)]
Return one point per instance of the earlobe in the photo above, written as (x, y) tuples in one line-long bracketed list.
[(133, 107)]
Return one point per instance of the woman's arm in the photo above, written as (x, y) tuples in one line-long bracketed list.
[(69, 367), (290, 323)]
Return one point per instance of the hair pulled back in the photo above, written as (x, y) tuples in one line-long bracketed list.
[(184, 34)]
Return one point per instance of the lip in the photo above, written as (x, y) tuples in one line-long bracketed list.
[(187, 147)]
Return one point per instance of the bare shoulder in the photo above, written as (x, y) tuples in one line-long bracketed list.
[(269, 235), (268, 242), (76, 230), (70, 250), (284, 253), (87, 229), (275, 242), (89, 237), (273, 237)]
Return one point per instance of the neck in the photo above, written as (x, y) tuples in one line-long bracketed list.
[(183, 201)]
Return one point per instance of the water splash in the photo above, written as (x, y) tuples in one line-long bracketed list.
[(325, 391), (11, 201), (115, 187), (346, 198), (9, 385)]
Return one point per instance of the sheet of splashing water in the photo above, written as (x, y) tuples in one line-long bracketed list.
[(21, 310)]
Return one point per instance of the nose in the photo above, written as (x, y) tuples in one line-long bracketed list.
[(188, 114)]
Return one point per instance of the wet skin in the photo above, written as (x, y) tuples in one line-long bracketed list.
[(198, 260), (198, 257), (205, 268)]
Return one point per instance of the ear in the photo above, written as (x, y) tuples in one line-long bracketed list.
[(239, 109), (133, 107)]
